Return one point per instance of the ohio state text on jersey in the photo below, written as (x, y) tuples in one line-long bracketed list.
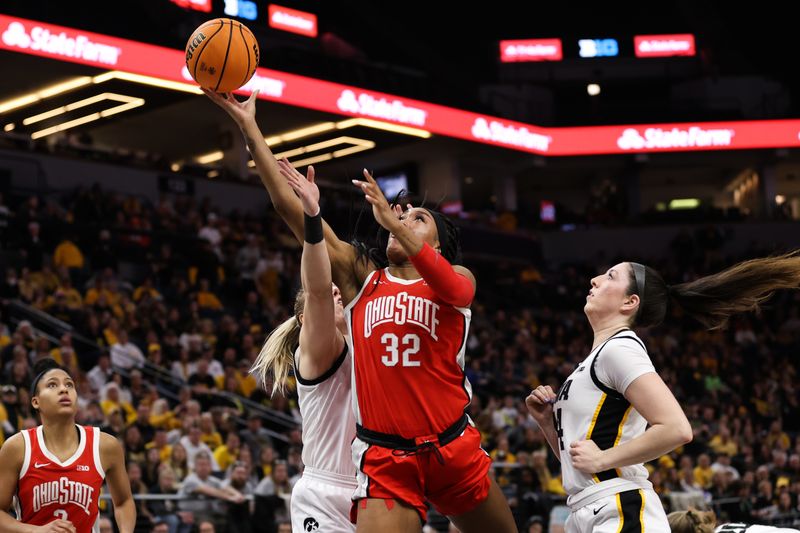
[(408, 355), (49, 489)]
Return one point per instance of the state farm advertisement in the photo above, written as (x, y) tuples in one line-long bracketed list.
[(530, 50), (664, 45), (681, 137), (112, 53)]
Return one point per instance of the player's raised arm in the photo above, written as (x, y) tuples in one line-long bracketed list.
[(348, 274)]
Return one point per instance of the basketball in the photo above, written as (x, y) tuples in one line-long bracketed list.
[(222, 55)]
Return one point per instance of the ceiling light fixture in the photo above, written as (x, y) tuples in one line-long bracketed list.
[(147, 80), (210, 158), (128, 104), (77, 105), (46, 92)]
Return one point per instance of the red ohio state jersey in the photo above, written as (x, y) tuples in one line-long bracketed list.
[(408, 357), (49, 489)]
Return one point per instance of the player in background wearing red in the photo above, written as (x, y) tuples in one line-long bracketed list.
[(56, 470)]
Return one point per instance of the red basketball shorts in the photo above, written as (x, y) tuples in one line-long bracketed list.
[(454, 485)]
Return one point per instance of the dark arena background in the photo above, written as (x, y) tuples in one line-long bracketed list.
[(140, 250)]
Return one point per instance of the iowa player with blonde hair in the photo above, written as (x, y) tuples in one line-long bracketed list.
[(614, 412), (312, 343), (56, 470)]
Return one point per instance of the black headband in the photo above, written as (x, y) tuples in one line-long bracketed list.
[(639, 274), (441, 229), (38, 377)]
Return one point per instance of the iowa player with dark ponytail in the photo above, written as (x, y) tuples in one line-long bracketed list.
[(56, 470), (598, 422)]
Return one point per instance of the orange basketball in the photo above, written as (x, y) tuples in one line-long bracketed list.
[(222, 55)]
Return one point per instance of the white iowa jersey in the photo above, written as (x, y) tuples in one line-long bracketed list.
[(590, 405), (329, 426)]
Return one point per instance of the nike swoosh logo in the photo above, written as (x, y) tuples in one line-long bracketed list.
[(40, 465), (595, 511)]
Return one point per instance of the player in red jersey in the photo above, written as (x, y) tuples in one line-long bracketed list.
[(58, 468), (422, 447), (408, 330)]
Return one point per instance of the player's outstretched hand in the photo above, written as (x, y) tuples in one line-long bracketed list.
[(239, 111), (385, 214)]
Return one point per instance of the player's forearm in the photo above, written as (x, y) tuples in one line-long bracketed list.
[(449, 285), (125, 515), (550, 435), (653, 443), (409, 241), (315, 265), (9, 525), (283, 198)]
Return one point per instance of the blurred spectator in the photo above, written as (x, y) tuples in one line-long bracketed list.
[(125, 354), (277, 489), (100, 374), (68, 255), (201, 482), (166, 511), (32, 247), (194, 446)]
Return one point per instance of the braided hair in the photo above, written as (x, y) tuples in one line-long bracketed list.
[(448, 234)]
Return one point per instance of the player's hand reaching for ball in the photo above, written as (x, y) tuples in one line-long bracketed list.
[(385, 215), (240, 112), (303, 187)]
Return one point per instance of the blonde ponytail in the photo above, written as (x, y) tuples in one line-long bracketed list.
[(692, 521), (277, 355)]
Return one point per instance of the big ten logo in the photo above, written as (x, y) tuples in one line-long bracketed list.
[(241, 8), (598, 47), (83, 468)]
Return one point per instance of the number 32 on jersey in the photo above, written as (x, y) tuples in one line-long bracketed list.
[(399, 350)]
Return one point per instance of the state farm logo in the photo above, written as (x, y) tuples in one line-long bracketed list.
[(497, 132), (293, 21), (395, 110), (41, 39), (532, 50), (267, 86), (694, 137), (664, 46), (679, 44)]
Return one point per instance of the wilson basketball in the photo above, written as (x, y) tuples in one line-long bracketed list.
[(222, 55)]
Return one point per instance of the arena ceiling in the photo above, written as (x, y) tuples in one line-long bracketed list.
[(182, 126)]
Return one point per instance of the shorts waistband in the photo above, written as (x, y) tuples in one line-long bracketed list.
[(396, 442), (331, 478)]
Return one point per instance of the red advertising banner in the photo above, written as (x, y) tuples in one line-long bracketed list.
[(531, 50), (287, 19), (111, 53), (664, 45), (197, 5)]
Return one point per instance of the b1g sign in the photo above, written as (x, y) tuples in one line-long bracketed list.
[(598, 48)]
